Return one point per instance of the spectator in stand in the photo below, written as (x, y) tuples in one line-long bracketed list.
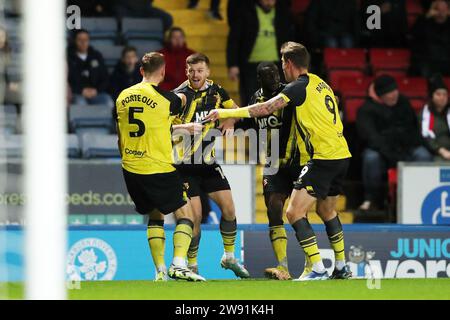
[(235, 8), (126, 73), (9, 90), (333, 23), (88, 76), (94, 8), (214, 8), (255, 36), (394, 24), (143, 9), (431, 41), (435, 119), (389, 127), (175, 52)]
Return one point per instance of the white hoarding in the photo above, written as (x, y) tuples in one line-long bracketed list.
[(423, 193)]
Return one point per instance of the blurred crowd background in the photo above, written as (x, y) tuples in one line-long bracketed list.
[(392, 82)]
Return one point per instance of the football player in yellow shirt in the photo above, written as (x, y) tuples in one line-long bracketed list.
[(144, 120), (319, 126)]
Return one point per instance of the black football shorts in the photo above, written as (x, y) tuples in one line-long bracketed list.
[(162, 191), (207, 178), (323, 178), (282, 182)]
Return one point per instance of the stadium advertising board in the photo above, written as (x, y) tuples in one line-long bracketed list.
[(423, 194), (113, 253), (98, 195), (372, 251)]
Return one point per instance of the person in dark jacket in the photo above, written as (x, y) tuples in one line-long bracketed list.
[(389, 127), (126, 73), (333, 23), (255, 36), (431, 41), (94, 8), (88, 76), (394, 24), (435, 120)]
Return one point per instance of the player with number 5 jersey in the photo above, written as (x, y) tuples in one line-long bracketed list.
[(144, 121)]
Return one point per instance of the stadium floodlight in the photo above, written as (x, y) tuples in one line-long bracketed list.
[(45, 159)]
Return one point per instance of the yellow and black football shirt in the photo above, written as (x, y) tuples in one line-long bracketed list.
[(198, 105), (317, 117), (282, 120), (144, 116)]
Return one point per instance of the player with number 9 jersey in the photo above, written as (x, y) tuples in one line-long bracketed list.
[(317, 117)]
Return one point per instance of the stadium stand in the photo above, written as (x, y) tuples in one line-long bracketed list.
[(13, 147), (413, 87), (73, 146), (101, 28), (349, 71), (447, 82), (354, 87), (392, 61), (8, 119), (94, 117), (111, 53), (352, 106), (143, 46), (95, 145), (140, 28), (344, 63), (200, 39)]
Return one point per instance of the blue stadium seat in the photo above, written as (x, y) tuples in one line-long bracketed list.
[(144, 46), (8, 119), (99, 146), (12, 146), (142, 28), (12, 26), (111, 53), (73, 146), (100, 28), (90, 116), (95, 130), (96, 43), (14, 71)]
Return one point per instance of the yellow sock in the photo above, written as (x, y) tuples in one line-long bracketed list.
[(307, 240), (156, 241), (279, 240), (311, 249), (337, 243), (228, 230), (182, 238), (336, 237), (193, 250)]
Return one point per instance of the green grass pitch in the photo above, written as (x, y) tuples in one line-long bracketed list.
[(254, 289)]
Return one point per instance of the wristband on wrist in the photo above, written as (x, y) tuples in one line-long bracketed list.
[(234, 113)]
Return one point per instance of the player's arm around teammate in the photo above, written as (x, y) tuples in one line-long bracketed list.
[(320, 180), (144, 118)]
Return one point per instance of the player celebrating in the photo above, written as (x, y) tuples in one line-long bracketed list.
[(319, 125), (277, 187), (202, 173), (144, 118)]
